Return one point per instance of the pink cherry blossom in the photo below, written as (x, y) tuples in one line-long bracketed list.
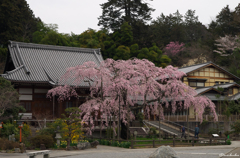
[(173, 48), (122, 84)]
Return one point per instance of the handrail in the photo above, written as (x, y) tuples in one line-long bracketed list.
[(163, 129), (177, 124), (148, 129)]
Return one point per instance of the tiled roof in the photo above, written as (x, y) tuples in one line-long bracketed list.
[(227, 85), (192, 68), (235, 97), (201, 90), (213, 97), (46, 63)]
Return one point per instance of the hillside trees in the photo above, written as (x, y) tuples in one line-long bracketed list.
[(229, 49), (227, 22), (17, 21), (176, 27), (116, 86), (9, 103), (115, 13)]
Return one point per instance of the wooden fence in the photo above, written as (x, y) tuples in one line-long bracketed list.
[(171, 142), (193, 118), (180, 142)]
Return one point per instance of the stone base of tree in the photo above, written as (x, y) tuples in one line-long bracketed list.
[(94, 144), (82, 146)]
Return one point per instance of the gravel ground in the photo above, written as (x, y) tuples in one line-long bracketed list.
[(198, 153)]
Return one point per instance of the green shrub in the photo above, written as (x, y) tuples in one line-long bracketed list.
[(115, 143), (5, 144), (50, 130), (47, 140), (26, 131), (236, 127), (226, 133), (212, 131), (73, 143), (228, 142), (63, 144), (9, 129)]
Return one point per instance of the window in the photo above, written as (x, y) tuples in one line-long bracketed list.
[(39, 96), (26, 105), (216, 82), (230, 91), (25, 94), (196, 84), (200, 84), (193, 84), (68, 104)]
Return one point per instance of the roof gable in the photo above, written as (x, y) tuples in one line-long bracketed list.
[(191, 69), (45, 63), (204, 90)]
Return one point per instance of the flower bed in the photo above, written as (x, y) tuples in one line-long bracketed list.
[(63, 144), (112, 143)]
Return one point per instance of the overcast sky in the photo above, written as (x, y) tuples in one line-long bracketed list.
[(78, 15)]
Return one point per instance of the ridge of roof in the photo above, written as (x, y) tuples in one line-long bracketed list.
[(46, 63), (226, 83), (235, 96), (226, 71), (22, 61), (53, 47), (14, 70), (209, 62)]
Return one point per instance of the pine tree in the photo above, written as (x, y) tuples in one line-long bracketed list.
[(114, 13)]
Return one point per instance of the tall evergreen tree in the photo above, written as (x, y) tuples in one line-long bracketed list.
[(194, 29), (227, 22), (115, 12), (17, 21)]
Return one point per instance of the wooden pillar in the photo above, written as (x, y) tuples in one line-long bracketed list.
[(60, 109)]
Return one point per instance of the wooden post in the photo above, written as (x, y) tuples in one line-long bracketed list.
[(53, 106), (132, 144), (159, 125), (188, 123), (210, 141), (115, 123), (119, 119), (192, 141), (153, 143), (225, 141), (20, 139), (173, 140)]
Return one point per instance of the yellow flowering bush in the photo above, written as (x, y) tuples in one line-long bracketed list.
[(70, 125)]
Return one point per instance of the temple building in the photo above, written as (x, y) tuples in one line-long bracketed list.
[(34, 69)]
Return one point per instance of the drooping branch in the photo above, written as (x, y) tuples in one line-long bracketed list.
[(116, 86)]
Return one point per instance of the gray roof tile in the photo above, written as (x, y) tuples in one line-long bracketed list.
[(201, 90), (235, 97), (46, 63), (192, 68)]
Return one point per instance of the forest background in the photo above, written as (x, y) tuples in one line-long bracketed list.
[(128, 30)]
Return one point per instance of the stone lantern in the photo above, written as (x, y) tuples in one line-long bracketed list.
[(58, 136), (135, 134)]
